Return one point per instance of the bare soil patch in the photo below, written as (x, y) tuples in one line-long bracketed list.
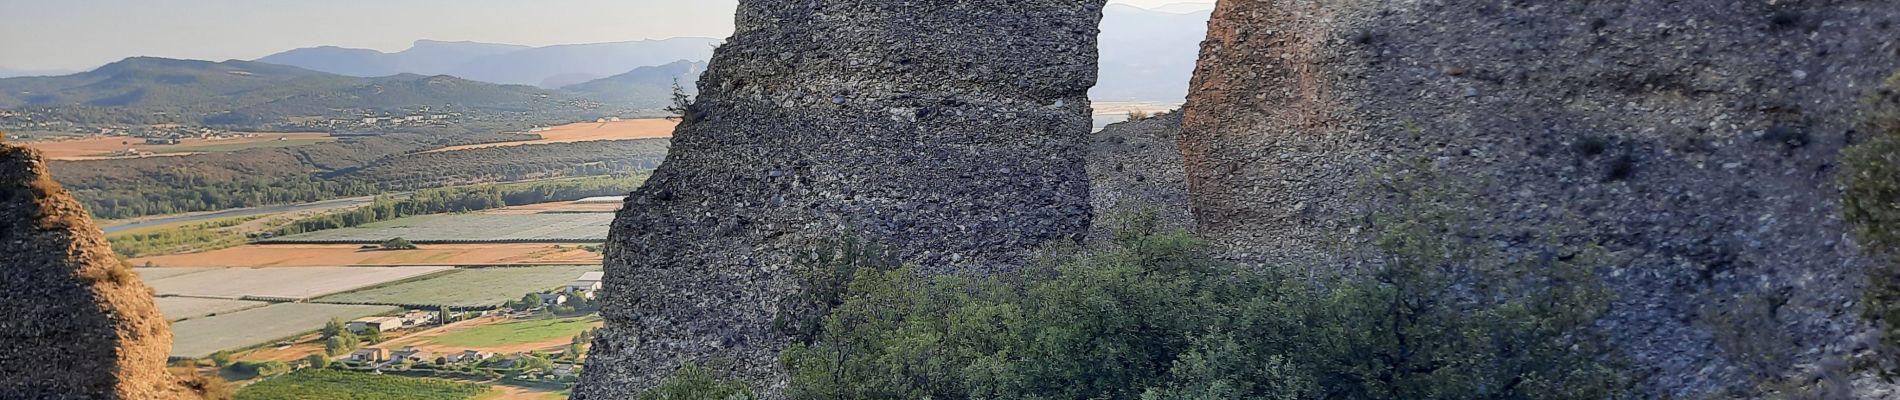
[(631, 129), (102, 147), (352, 255)]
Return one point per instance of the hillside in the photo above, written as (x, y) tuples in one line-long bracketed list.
[(256, 95), (547, 67), (647, 87), (425, 57)]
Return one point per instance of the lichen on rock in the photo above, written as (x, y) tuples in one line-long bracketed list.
[(953, 132)]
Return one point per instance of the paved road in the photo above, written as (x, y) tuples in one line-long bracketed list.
[(242, 212)]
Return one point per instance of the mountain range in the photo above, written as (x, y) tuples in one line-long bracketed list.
[(245, 93), (1146, 55), (644, 87), (547, 67)]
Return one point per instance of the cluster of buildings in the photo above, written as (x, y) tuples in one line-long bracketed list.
[(422, 118), (411, 319), (585, 287)]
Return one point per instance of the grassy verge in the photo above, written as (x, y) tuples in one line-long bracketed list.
[(517, 332), (181, 238), (316, 384)]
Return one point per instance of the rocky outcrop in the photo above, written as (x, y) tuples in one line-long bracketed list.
[(952, 131), (1696, 140), (1135, 168), (81, 325)]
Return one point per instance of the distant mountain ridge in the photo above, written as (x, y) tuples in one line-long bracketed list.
[(645, 87), (547, 67), (245, 93)]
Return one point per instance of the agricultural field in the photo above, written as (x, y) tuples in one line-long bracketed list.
[(177, 308), (500, 335), (353, 255), (469, 228), (102, 147), (588, 206), (324, 384), (199, 337), (152, 274), (283, 283), (632, 129), (504, 392), (466, 287)]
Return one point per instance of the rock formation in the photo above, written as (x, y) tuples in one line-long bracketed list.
[(81, 325), (953, 131), (1695, 140), (1135, 167)]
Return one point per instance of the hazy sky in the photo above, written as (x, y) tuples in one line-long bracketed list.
[(81, 34)]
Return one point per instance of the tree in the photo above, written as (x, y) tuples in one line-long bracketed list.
[(334, 327), (222, 358), (682, 104), (317, 361), (528, 301), (373, 336), (342, 343), (444, 316), (398, 244)]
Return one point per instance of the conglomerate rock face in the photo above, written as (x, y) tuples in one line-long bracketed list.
[(952, 131), (80, 324), (1695, 140), (1135, 168)]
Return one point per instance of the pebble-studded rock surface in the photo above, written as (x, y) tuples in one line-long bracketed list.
[(954, 131), (1696, 140), (80, 324), (1135, 168)]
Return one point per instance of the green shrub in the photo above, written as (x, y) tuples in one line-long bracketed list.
[(315, 384), (249, 369), (693, 382), (1871, 205), (1156, 317)]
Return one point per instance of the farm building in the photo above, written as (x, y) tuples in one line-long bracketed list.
[(411, 354), (380, 324), (553, 299), (368, 355), (585, 286), (466, 356), (415, 318)]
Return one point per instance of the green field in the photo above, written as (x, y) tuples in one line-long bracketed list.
[(328, 384), (517, 332), (479, 287), (230, 147), (199, 337)]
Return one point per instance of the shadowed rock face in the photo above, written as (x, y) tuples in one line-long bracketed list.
[(1135, 167), (1695, 140), (80, 324), (953, 131)]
